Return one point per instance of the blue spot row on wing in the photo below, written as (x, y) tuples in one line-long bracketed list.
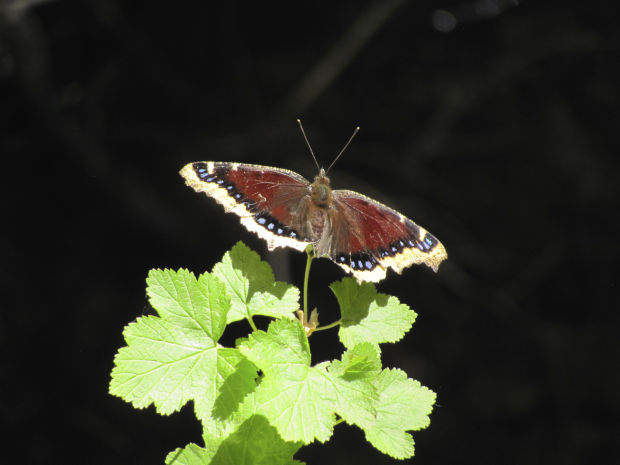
[(428, 243), (430, 240), (357, 261), (397, 247), (369, 260), (273, 225)]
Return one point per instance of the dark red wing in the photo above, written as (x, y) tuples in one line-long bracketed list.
[(369, 237), (268, 200)]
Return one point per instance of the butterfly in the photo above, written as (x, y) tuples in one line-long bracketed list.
[(359, 234)]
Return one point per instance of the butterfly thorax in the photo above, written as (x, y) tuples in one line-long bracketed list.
[(321, 191)]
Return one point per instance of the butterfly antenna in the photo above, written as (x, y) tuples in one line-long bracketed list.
[(308, 143), (343, 148)]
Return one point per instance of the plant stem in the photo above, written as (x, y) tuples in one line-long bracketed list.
[(310, 253), (251, 321), (331, 325)]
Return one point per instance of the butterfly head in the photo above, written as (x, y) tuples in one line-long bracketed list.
[(320, 190)]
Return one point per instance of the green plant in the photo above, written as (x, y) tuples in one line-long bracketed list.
[(262, 400)]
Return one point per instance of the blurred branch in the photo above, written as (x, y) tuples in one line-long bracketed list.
[(458, 95), (15, 8), (343, 52)]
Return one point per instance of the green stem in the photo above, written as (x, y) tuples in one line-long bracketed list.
[(251, 321), (331, 325), (310, 253)]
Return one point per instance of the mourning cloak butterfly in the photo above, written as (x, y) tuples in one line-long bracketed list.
[(360, 234)]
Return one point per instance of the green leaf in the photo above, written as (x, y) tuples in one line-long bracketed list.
[(236, 376), (188, 302), (353, 381), (256, 442), (368, 316), (234, 380), (173, 358), (294, 397), (245, 438), (283, 348), (361, 362), (191, 454), (252, 287), (404, 404), (162, 365)]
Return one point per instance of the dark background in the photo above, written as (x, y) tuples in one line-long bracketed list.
[(492, 123)]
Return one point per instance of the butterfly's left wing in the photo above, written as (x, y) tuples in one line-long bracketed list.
[(369, 237), (270, 202)]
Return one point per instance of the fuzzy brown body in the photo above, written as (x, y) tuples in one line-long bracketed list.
[(320, 214)]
